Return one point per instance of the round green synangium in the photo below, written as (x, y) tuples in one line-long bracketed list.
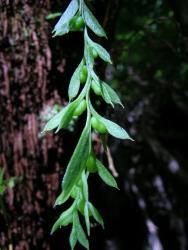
[(73, 22), (91, 164), (81, 206), (98, 126), (79, 23), (95, 88), (74, 192), (81, 108), (95, 54), (83, 74)]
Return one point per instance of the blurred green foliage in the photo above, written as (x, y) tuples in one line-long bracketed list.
[(149, 51)]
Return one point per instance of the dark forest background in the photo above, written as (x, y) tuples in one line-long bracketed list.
[(148, 41)]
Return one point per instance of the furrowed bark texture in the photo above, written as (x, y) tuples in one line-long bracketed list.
[(25, 64)]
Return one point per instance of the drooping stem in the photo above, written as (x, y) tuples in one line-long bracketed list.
[(83, 161)]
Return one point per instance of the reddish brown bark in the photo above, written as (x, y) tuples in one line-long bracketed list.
[(25, 64)]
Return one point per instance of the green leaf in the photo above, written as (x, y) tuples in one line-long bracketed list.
[(74, 85), (89, 57), (81, 204), (64, 219), (61, 119), (62, 27), (115, 130), (104, 91), (63, 196), (77, 162), (102, 52), (60, 199), (73, 238), (85, 186), (80, 232), (53, 15), (54, 121), (105, 94), (108, 94), (96, 215), (86, 215), (112, 94), (92, 22), (105, 175), (88, 51), (67, 115)]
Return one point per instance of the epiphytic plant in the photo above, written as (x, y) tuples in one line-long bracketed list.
[(78, 17)]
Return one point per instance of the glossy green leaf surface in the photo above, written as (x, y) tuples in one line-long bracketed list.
[(67, 115), (62, 27), (102, 52), (86, 215), (73, 237), (77, 162), (80, 232), (96, 214), (54, 121), (114, 98), (115, 130), (92, 22), (64, 219), (74, 85), (106, 175), (85, 185)]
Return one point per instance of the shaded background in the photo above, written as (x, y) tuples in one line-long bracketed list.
[(148, 41)]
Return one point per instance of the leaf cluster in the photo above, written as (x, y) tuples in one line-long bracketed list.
[(78, 17)]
